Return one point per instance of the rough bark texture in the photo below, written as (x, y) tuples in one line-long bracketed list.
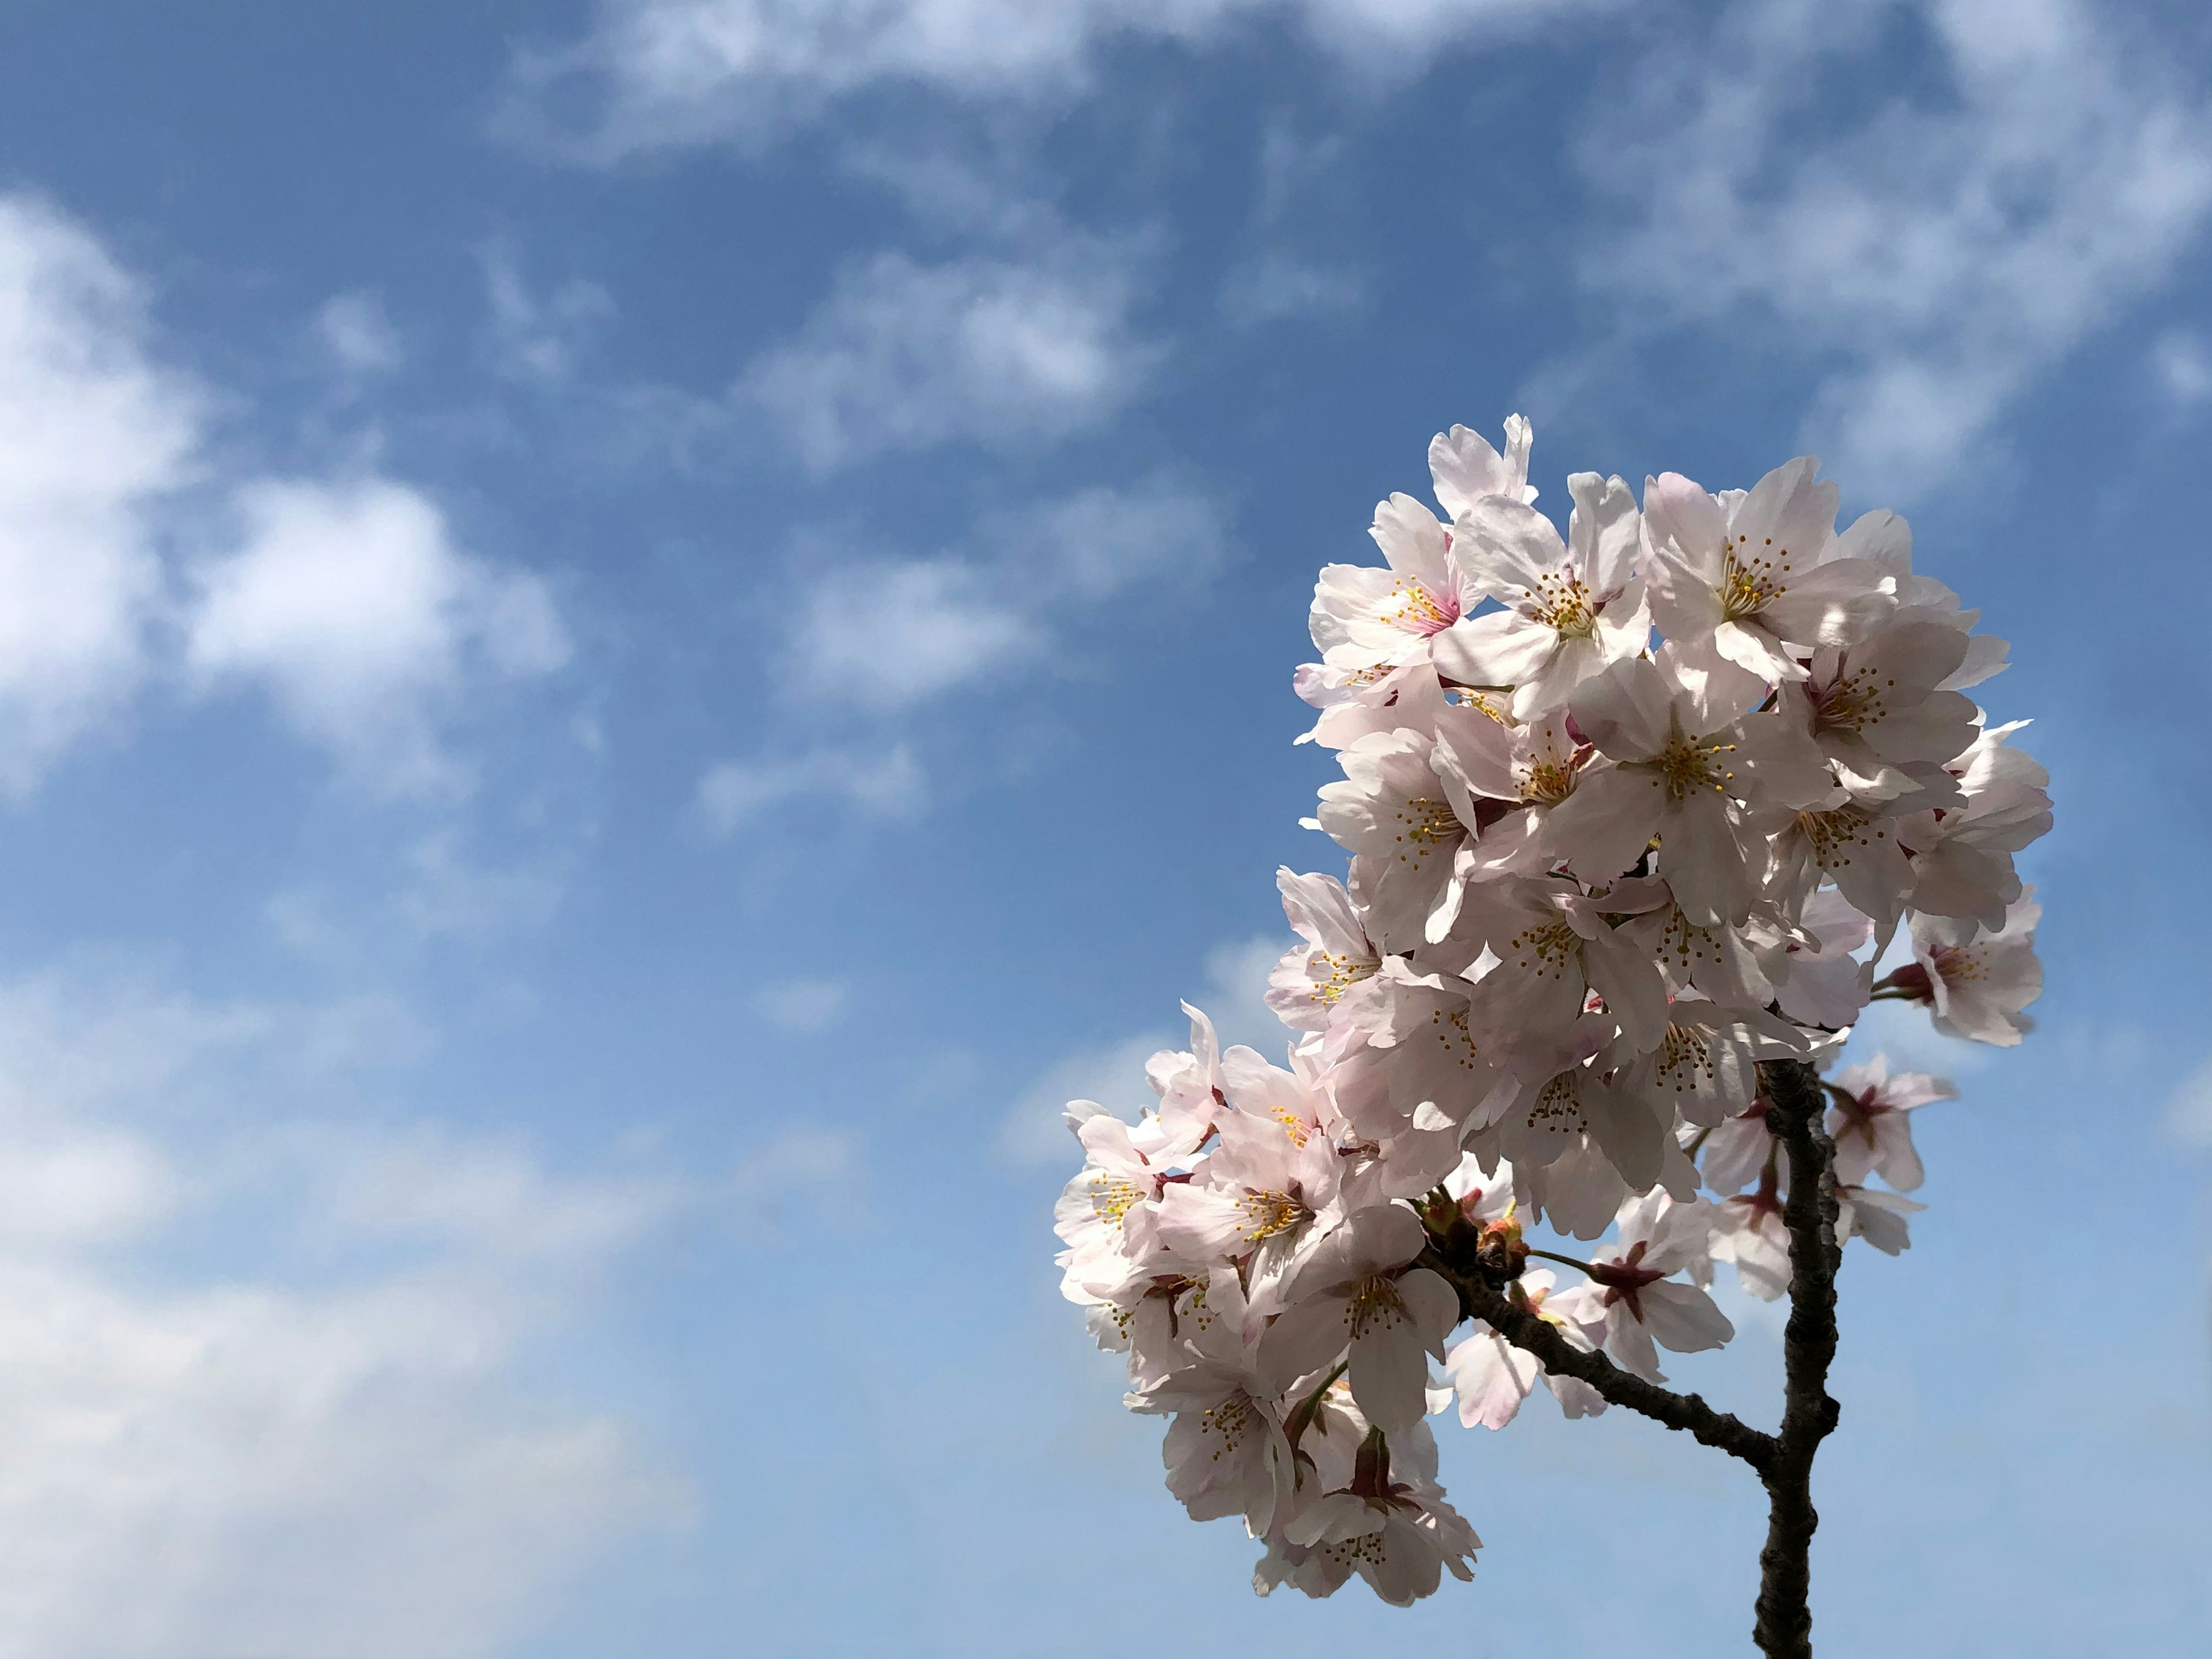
[(1796, 1115)]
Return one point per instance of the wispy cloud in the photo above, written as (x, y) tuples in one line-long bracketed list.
[(883, 632), (359, 337), (804, 1004), (1944, 244), (886, 783), (903, 355), (661, 73)]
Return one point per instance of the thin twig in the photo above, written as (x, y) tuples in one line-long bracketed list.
[(1480, 1298)]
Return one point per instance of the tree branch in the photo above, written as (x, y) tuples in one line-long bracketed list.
[(1795, 1116), (1480, 1298)]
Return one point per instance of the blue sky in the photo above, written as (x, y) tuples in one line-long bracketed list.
[(632, 635)]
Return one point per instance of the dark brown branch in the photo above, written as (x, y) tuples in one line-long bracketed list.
[(1479, 1298), (1796, 1115)]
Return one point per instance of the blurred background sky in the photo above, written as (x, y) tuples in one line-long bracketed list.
[(633, 636)]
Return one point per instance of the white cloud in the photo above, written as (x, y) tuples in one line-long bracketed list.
[(886, 634), (351, 603), (2189, 1114), (91, 430), (1945, 245), (804, 1004), (540, 338), (359, 336), (1112, 1073), (1100, 541), (886, 783), (331, 1451), (902, 355), (665, 72), (2183, 365), (1273, 287)]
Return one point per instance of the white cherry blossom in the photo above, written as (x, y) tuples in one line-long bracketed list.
[(1639, 1301), (1758, 574), (1979, 980), (1688, 763), (1869, 1125), (1358, 1289), (1606, 907), (1570, 607)]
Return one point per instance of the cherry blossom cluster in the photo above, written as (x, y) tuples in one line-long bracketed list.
[(1629, 812)]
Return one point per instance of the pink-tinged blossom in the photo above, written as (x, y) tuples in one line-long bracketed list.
[(1885, 540), (1360, 700), (1978, 981), (1565, 1101), (1467, 471), (1591, 892), (1393, 815), (1363, 616), (1358, 1289), (1390, 1525), (1847, 838), (1556, 948), (1758, 574), (1112, 1206), (1638, 1299), (1570, 607), (1493, 1377), (1817, 978), (1877, 711), (1962, 859), (1748, 1231), (1269, 1189), (1877, 1217), (1225, 1450), (1686, 764), (1868, 1122), (1734, 1152), (1718, 961), (1309, 986), (1705, 1068), (1506, 780)]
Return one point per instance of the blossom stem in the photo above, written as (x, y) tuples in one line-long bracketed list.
[(1782, 1624), (1480, 1298), (1563, 1261)]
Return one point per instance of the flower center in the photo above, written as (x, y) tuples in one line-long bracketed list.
[(1957, 964), (1560, 599), (1413, 609), (1114, 1198), (1451, 1035), (1751, 581), (1343, 972), (1559, 1106), (1856, 700), (1232, 1420), (1832, 834), (1687, 765), (1374, 1306), (1550, 948), (1429, 825), (1264, 1215), (1684, 1055)]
